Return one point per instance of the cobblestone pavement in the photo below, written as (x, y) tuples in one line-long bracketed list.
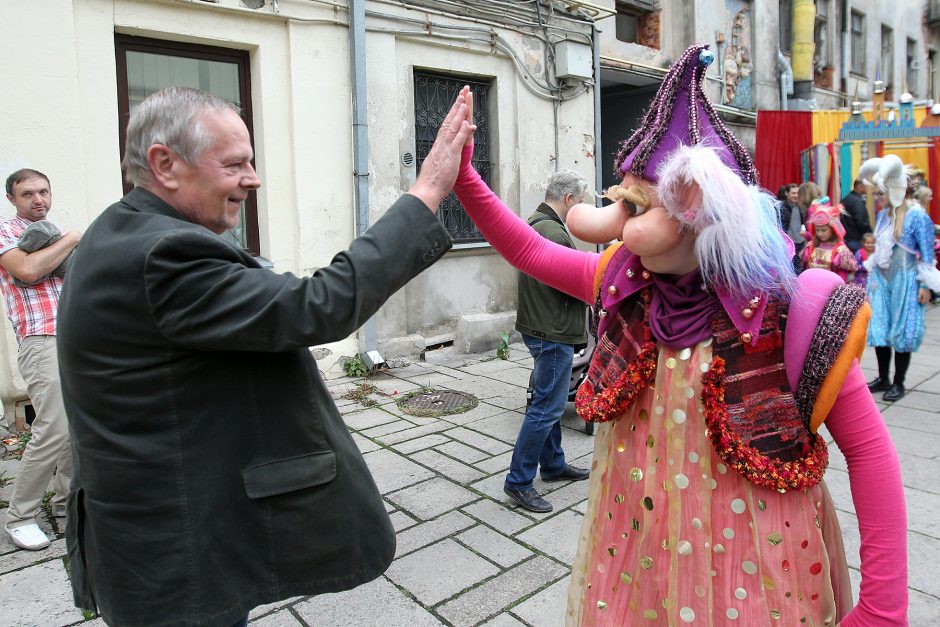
[(465, 555)]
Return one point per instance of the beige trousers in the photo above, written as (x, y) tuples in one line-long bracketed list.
[(48, 449)]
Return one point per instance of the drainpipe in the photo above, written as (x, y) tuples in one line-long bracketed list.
[(786, 79), (598, 155), (360, 131), (804, 21), (844, 45)]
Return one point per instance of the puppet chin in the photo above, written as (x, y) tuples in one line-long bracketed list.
[(652, 233)]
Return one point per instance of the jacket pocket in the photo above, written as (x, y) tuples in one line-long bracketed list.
[(287, 475)]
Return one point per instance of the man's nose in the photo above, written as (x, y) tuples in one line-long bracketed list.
[(251, 180)]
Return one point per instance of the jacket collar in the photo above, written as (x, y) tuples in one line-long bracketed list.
[(143, 200)]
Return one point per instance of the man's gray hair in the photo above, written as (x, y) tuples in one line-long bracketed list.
[(172, 117), (566, 182)]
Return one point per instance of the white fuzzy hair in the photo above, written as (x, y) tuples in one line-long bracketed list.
[(739, 244), (887, 174)]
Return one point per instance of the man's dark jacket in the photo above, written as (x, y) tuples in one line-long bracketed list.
[(212, 470), (855, 220), (544, 311)]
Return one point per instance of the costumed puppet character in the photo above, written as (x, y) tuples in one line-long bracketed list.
[(900, 273), (826, 248), (714, 368)]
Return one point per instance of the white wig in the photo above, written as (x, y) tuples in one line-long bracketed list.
[(888, 175), (739, 244)]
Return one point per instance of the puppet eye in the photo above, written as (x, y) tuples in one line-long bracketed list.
[(633, 209)]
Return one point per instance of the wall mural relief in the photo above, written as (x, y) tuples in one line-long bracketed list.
[(737, 63)]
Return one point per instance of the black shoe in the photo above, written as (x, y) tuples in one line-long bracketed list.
[(529, 499), (569, 473), (879, 385), (896, 392)]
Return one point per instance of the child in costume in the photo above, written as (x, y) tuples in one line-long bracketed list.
[(901, 273), (826, 249), (861, 256), (714, 368)]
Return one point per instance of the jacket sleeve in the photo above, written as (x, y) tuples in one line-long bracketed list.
[(203, 294), (567, 270)]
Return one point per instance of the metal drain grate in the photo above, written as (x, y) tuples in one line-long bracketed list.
[(431, 403)]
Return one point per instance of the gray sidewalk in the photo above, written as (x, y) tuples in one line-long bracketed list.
[(465, 555)]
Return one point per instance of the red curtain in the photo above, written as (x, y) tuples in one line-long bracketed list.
[(933, 178), (781, 135)]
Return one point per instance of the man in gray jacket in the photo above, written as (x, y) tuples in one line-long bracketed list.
[(551, 323), (212, 471)]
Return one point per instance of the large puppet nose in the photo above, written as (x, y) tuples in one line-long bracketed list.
[(597, 225)]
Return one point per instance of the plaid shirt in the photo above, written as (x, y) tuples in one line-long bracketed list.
[(32, 310)]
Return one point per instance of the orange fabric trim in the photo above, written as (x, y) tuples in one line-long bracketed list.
[(851, 350), (606, 256)]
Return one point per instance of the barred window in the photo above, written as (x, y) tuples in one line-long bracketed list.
[(434, 94)]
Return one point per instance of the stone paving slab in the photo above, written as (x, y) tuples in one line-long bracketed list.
[(393, 472), (483, 602), (378, 603), (429, 499), (39, 594), (447, 466), (455, 568), (546, 608), (556, 536), (429, 532), (493, 545)]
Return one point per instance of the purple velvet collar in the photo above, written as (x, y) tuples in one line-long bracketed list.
[(680, 310)]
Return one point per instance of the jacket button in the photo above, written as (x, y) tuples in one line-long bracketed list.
[(754, 302), (437, 245), (748, 313), (602, 313), (612, 290), (746, 338), (630, 273), (646, 274)]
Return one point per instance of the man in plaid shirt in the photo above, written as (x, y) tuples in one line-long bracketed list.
[(32, 310)]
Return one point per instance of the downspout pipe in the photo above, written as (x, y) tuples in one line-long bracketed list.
[(844, 45), (598, 150), (786, 79), (360, 132)]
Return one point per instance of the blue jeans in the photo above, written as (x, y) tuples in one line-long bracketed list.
[(539, 441)]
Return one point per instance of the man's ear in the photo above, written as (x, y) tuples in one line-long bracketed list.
[(10, 198), (163, 166)]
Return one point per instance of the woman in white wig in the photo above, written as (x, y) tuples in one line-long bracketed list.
[(901, 273)]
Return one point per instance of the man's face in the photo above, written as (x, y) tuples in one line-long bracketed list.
[(211, 191), (32, 199), (792, 194)]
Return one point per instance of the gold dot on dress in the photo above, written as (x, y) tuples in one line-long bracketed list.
[(775, 538), (687, 614), (644, 415), (704, 367), (678, 416), (684, 547), (693, 456), (626, 577), (658, 410), (650, 442), (761, 505), (685, 353), (671, 363), (650, 614), (621, 447), (722, 469), (618, 499), (732, 613), (749, 567), (636, 474), (740, 593), (728, 533), (738, 506), (697, 523), (719, 548), (601, 605), (612, 550), (682, 481), (689, 393), (775, 614), (648, 503), (646, 562)]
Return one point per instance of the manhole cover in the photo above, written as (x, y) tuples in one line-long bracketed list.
[(430, 403)]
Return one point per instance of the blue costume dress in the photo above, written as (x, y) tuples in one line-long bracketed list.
[(897, 318)]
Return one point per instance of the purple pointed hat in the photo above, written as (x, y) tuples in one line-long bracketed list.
[(681, 115)]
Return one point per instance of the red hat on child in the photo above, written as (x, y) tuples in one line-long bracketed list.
[(821, 213)]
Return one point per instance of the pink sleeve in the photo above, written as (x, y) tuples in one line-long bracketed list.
[(875, 479), (566, 269)]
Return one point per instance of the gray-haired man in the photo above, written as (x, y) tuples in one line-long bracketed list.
[(551, 323)]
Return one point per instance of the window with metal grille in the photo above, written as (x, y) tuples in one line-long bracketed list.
[(912, 65), (786, 24), (434, 94)]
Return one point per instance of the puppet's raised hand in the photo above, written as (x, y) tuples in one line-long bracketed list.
[(439, 170)]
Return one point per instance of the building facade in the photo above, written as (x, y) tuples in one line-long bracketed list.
[(341, 113)]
